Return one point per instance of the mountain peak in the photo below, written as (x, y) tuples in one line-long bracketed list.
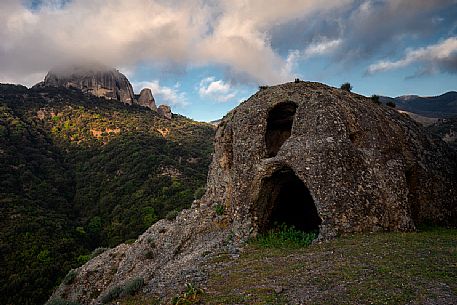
[(96, 79), (101, 81)]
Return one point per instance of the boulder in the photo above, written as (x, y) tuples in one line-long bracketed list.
[(165, 111), (146, 99)]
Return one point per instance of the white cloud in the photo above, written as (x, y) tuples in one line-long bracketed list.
[(163, 94), (217, 90), (434, 57), (231, 33), (234, 34), (321, 47)]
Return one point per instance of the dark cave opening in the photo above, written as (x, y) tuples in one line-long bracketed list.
[(279, 126), (284, 199)]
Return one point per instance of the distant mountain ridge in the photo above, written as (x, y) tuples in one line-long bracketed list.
[(441, 106)]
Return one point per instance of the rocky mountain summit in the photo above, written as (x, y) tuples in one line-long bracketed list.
[(303, 154), (101, 81)]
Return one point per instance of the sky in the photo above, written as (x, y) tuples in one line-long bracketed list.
[(204, 57)]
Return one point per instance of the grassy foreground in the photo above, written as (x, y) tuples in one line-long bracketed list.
[(379, 268)]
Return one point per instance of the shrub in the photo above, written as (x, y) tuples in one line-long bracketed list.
[(70, 277), (82, 259), (219, 209), (346, 87), (98, 251), (132, 286), (263, 87), (191, 295), (128, 288), (375, 99), (391, 104), (112, 294), (172, 215), (61, 302), (284, 236), (199, 192)]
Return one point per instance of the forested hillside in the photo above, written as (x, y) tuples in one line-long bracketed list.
[(79, 172)]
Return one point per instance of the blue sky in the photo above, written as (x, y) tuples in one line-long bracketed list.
[(203, 57)]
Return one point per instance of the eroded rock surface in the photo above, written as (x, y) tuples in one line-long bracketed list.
[(359, 167), (97, 80)]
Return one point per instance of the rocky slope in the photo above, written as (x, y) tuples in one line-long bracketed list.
[(366, 167)]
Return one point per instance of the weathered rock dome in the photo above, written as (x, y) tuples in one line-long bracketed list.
[(317, 157)]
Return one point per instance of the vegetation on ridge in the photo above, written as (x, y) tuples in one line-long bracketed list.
[(80, 172)]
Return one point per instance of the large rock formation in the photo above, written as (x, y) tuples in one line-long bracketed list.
[(104, 82), (97, 80), (356, 165), (146, 99), (303, 154)]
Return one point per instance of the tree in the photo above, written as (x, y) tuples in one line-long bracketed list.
[(375, 99), (346, 87), (391, 104)]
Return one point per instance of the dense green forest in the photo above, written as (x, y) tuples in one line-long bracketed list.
[(78, 173)]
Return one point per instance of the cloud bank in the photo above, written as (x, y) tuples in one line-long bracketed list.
[(441, 56), (257, 40)]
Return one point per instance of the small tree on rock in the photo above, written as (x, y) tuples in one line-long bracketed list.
[(375, 99), (346, 87), (391, 104)]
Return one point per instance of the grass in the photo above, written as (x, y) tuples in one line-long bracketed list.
[(378, 268), (283, 236), (219, 209)]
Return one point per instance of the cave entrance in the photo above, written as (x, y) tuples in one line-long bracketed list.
[(284, 199), (279, 126)]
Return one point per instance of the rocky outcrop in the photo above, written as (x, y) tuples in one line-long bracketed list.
[(97, 80), (104, 82), (360, 166), (304, 154), (165, 111), (146, 99)]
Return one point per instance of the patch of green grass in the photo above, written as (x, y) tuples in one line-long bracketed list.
[(284, 236), (378, 268), (219, 209)]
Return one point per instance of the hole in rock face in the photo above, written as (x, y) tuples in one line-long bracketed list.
[(284, 199), (279, 126)]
